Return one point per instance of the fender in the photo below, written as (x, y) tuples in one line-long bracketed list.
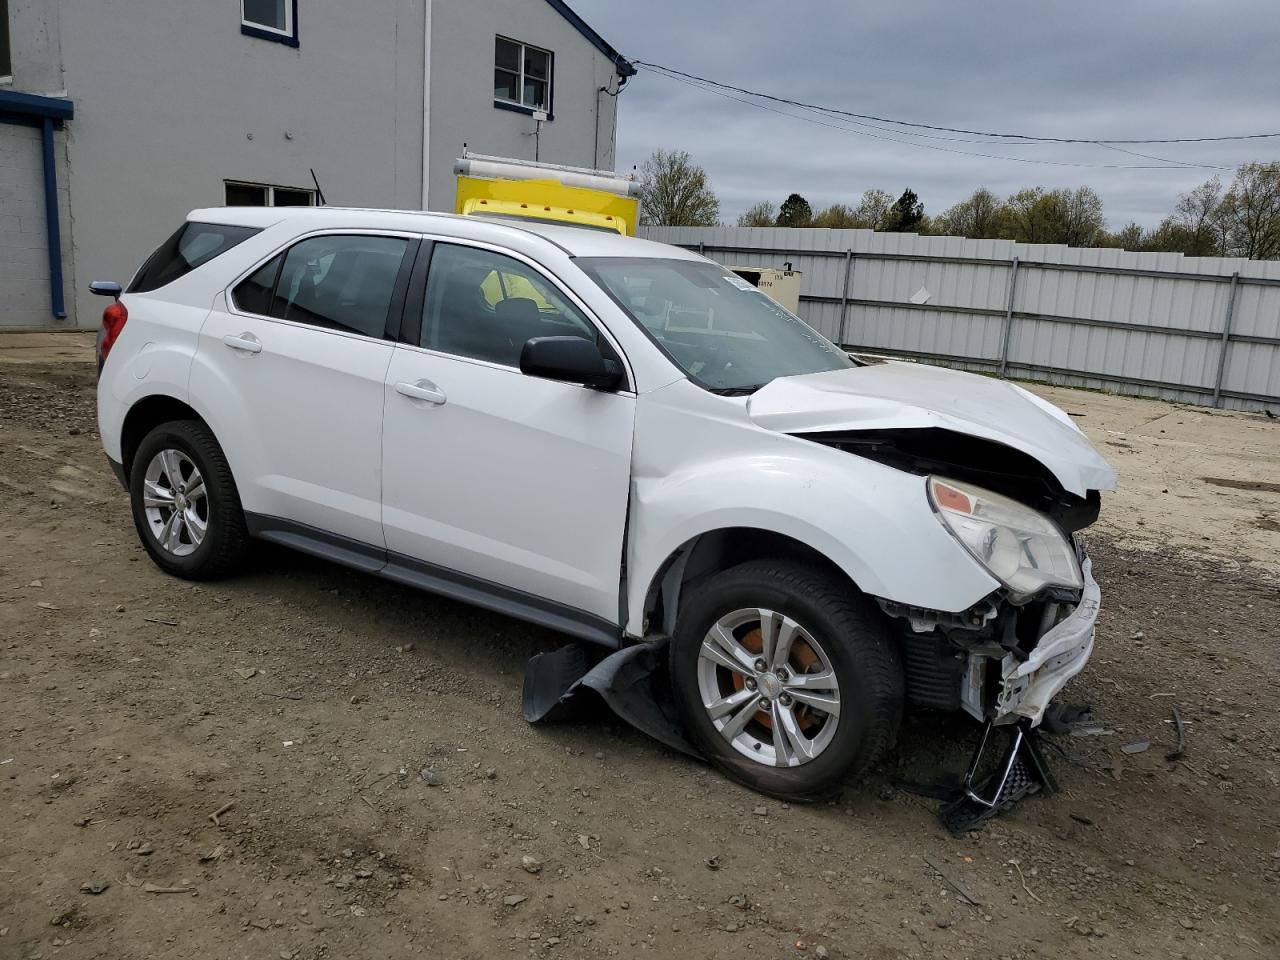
[(700, 464)]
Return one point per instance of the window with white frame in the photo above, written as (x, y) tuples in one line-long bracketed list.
[(239, 194), (522, 75), (270, 20)]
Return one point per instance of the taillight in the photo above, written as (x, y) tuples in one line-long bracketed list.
[(113, 321)]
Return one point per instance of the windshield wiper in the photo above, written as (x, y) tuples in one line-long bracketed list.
[(735, 391)]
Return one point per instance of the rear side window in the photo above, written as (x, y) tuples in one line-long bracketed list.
[(193, 245), (336, 282)]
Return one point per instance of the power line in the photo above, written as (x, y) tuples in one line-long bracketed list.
[(720, 90), (929, 126)]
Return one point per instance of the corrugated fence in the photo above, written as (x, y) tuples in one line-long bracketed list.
[(1194, 329)]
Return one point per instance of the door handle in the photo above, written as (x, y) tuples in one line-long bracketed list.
[(245, 343), (421, 390)]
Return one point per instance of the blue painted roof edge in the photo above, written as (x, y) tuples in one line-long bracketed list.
[(621, 63), (31, 104)]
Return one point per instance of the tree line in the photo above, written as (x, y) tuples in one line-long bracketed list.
[(1238, 219)]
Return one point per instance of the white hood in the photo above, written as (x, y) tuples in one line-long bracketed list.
[(896, 396)]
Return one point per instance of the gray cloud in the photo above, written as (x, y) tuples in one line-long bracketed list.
[(1087, 68)]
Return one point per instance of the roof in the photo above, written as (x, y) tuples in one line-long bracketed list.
[(624, 66), (575, 241)]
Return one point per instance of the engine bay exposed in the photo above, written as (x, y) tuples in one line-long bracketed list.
[(988, 464)]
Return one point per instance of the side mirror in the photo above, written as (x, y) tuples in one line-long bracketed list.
[(570, 359), (105, 288)]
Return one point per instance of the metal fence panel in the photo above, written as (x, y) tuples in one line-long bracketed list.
[(1192, 329)]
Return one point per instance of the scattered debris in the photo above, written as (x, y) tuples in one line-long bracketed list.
[(1031, 893), (161, 620), (95, 887), (214, 854), (220, 811), (246, 673), (584, 841), (514, 900), (155, 888), (281, 696), (531, 864), (951, 883), (1090, 728), (1180, 750), (1137, 746), (431, 778), (145, 850), (712, 863), (1080, 818), (46, 605)]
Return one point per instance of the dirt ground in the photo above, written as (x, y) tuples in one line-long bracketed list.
[(306, 701)]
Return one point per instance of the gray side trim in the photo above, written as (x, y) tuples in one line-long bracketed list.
[(435, 579)]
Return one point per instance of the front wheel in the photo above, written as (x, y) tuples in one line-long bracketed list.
[(787, 678)]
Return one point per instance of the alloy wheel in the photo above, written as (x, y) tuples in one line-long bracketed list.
[(175, 503), (768, 687)]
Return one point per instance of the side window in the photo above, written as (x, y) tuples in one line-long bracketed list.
[(253, 294), (485, 306), (336, 282)]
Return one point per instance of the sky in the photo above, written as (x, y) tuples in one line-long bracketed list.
[(1084, 69)]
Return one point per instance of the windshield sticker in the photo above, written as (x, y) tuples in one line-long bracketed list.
[(739, 282)]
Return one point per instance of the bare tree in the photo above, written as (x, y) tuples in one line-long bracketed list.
[(675, 192), (1197, 221), (762, 214), (1250, 212), (873, 209)]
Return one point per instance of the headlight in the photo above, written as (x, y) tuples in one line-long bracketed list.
[(1021, 547)]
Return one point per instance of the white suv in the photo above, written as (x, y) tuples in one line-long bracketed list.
[(619, 440)]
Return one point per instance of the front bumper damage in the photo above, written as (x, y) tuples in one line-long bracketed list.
[(996, 661), (1027, 685)]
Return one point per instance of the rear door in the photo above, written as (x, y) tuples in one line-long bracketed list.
[(290, 369), (507, 489)]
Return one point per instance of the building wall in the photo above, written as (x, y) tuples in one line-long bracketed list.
[(462, 109), (171, 100), (24, 254), (24, 258)]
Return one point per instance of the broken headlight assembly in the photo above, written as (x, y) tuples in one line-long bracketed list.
[(1020, 547)]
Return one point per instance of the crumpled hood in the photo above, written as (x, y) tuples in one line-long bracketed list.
[(895, 396)]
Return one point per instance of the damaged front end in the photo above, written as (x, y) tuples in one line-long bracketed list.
[(1003, 659)]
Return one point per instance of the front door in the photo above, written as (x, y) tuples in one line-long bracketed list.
[(297, 358), (510, 489)]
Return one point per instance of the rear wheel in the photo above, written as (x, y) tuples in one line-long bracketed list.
[(787, 678), (185, 504)]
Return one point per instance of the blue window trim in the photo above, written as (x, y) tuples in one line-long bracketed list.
[(49, 114), (289, 40), (520, 108)]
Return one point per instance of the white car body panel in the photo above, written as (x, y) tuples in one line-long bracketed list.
[(702, 464), (300, 422), (910, 395), (452, 472)]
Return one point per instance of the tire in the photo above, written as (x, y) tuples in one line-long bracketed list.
[(187, 448), (834, 632)]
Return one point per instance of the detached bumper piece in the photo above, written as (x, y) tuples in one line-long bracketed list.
[(1021, 772), (632, 681)]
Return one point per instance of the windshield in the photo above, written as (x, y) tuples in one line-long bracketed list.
[(723, 332)]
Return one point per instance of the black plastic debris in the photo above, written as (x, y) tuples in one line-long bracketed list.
[(632, 681), (1021, 772)]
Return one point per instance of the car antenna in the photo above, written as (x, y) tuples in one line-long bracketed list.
[(316, 181)]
